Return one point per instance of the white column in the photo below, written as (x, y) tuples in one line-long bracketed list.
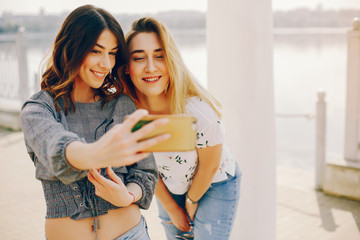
[(24, 89), (352, 123), (240, 74), (320, 139)]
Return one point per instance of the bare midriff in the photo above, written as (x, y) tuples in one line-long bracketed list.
[(112, 225)]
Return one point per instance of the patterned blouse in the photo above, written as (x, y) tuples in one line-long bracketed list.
[(177, 169)]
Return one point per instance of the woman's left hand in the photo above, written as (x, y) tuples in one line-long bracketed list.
[(209, 161), (191, 209), (112, 190)]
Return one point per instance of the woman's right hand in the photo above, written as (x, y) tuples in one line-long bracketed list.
[(118, 147)]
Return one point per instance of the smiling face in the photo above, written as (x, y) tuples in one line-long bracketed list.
[(147, 66), (96, 65)]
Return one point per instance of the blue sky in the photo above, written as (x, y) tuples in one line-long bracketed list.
[(153, 6)]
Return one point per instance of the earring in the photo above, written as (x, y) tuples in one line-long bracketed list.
[(126, 72)]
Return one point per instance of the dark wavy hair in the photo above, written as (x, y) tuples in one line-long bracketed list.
[(75, 40)]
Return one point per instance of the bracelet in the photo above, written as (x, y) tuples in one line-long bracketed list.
[(189, 200), (133, 199)]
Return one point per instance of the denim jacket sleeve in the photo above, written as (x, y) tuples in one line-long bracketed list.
[(145, 174), (46, 140)]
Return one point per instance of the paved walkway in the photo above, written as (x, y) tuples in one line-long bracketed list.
[(302, 212)]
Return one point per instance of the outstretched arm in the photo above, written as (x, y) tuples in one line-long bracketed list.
[(63, 155), (118, 147)]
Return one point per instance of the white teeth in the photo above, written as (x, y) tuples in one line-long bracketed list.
[(99, 74), (151, 79)]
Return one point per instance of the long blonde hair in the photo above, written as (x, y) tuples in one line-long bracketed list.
[(182, 82)]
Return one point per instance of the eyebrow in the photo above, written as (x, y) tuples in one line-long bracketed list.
[(140, 51), (102, 47)]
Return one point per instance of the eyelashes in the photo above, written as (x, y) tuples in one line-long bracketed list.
[(142, 58), (97, 52)]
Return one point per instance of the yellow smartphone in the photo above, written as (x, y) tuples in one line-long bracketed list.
[(182, 130)]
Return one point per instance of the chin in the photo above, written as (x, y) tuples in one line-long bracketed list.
[(97, 85), (156, 94)]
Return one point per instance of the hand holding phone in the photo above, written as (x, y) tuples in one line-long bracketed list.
[(182, 130)]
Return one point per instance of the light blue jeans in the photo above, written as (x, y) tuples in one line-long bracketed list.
[(216, 212), (139, 232)]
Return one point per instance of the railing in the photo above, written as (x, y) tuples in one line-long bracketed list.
[(9, 77), (15, 87), (320, 135), (14, 82), (307, 116), (24, 90)]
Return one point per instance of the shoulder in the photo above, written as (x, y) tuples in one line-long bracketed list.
[(210, 131), (41, 99), (200, 108), (39, 107), (40, 96), (125, 103), (202, 111), (125, 98)]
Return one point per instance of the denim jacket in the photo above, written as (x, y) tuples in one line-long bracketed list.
[(47, 133)]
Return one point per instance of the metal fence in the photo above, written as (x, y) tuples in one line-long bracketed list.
[(14, 81), (320, 135), (9, 77)]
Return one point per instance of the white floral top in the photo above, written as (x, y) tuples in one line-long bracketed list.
[(177, 169)]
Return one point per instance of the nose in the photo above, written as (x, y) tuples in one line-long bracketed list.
[(106, 62), (150, 66)]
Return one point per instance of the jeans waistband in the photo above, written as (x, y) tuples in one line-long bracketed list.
[(229, 177), (139, 227)]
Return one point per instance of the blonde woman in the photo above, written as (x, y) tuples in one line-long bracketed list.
[(198, 191)]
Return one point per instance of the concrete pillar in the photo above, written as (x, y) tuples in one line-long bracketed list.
[(342, 176), (240, 74), (320, 139), (352, 122), (24, 88)]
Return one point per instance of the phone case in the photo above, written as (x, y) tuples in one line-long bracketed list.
[(182, 130)]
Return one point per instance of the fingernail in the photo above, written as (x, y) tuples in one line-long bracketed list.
[(144, 111), (164, 120), (166, 136)]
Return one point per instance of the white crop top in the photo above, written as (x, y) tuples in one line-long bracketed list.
[(177, 169)]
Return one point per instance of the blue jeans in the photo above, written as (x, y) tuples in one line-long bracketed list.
[(216, 211), (139, 232)]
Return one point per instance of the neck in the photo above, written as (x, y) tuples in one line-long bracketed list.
[(155, 104), (83, 93)]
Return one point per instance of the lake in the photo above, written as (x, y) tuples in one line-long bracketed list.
[(304, 61)]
